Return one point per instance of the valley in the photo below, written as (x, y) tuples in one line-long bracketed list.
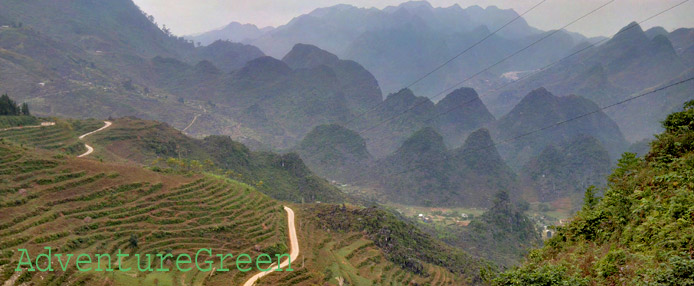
[(411, 144)]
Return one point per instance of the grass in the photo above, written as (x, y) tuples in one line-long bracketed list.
[(14, 121)]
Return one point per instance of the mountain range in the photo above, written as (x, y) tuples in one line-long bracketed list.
[(383, 40), (273, 103)]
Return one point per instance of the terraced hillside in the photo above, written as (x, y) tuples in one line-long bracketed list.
[(50, 198), (83, 206), (61, 137), (283, 177), (372, 246)]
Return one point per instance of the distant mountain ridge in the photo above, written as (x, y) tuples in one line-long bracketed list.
[(385, 40), (234, 31), (632, 62)]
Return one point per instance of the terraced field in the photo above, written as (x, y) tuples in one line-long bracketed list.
[(84, 206), (88, 206), (351, 256), (61, 137)]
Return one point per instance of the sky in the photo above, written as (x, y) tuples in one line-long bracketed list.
[(185, 17)]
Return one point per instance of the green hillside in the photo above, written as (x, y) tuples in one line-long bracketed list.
[(503, 234), (87, 206), (540, 108), (566, 170), (638, 233), (61, 137), (335, 152), (283, 177), (424, 172), (82, 206)]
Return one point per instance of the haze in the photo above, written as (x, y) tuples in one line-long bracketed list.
[(186, 17)]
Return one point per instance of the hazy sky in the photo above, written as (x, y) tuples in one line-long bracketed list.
[(194, 16)]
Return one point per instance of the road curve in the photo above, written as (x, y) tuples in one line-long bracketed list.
[(293, 253), (89, 148)]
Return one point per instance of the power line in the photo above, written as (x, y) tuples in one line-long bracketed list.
[(489, 67), (562, 59), (549, 65), (439, 67), (451, 59), (564, 121)]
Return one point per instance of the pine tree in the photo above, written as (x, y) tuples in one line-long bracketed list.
[(25, 109), (8, 106)]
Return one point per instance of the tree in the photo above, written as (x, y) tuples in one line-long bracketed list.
[(8, 106), (590, 199), (25, 109)]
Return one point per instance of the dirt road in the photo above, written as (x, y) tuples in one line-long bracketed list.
[(89, 148), (293, 253)]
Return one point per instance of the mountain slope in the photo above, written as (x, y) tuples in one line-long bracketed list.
[(359, 85), (87, 206), (84, 206), (566, 170), (638, 232), (541, 108), (630, 63), (335, 152), (283, 177), (459, 113), (423, 172)]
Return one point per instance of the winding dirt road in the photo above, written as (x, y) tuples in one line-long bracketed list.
[(294, 249), (89, 148)]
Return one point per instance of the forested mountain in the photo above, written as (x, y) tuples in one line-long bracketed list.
[(460, 113), (106, 203), (335, 152), (284, 177), (566, 170), (503, 234), (424, 172), (539, 109)]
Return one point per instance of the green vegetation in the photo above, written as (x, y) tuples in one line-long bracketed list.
[(62, 137), (565, 171), (9, 121), (423, 172), (82, 206), (335, 152), (638, 233), (503, 234), (283, 177), (85, 206), (403, 243), (10, 107)]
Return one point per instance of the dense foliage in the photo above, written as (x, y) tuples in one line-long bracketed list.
[(10, 107), (503, 234), (640, 232), (402, 242)]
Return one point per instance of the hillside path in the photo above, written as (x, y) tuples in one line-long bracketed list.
[(294, 248), (191, 123), (89, 148)]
